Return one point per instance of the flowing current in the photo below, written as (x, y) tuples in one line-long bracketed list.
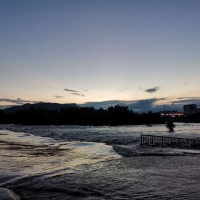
[(82, 162)]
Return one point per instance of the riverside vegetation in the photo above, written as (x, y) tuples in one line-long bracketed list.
[(117, 115)]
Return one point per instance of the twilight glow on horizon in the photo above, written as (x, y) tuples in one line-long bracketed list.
[(138, 53)]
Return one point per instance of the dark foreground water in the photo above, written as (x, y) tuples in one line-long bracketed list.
[(72, 162)]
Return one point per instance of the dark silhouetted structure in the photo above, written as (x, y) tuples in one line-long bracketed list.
[(163, 141), (189, 109)]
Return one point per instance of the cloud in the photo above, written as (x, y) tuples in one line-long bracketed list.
[(102, 104), (68, 90), (121, 90), (151, 90), (178, 103), (17, 101), (74, 93), (57, 96), (143, 105), (187, 101), (184, 98), (85, 90)]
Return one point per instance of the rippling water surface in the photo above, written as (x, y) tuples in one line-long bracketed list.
[(79, 162)]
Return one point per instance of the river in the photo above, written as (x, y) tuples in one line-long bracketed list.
[(86, 162)]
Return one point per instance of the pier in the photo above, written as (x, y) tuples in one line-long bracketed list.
[(166, 141)]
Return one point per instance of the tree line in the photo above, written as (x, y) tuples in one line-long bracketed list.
[(117, 115)]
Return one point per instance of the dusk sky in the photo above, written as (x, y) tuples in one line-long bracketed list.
[(140, 53)]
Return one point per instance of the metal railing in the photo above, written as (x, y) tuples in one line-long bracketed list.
[(164, 141)]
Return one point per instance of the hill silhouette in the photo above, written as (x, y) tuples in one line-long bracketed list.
[(41, 105)]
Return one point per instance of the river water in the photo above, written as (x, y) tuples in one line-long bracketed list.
[(82, 162)]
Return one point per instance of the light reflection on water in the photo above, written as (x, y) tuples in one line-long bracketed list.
[(74, 162), (25, 154)]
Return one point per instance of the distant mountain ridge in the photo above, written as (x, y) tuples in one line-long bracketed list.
[(42, 105)]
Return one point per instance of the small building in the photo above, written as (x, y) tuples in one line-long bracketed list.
[(190, 109)]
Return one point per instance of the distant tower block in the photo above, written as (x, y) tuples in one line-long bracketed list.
[(189, 109)]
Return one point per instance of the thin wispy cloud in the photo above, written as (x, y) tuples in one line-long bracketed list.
[(57, 96), (121, 89), (184, 98), (85, 90), (77, 94), (17, 101), (74, 92), (68, 90), (187, 101), (152, 90)]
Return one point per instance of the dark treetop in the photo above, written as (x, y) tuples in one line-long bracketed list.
[(74, 115)]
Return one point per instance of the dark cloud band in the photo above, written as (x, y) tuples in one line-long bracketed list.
[(68, 90), (151, 90)]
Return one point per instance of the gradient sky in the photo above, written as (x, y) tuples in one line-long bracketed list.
[(100, 52)]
